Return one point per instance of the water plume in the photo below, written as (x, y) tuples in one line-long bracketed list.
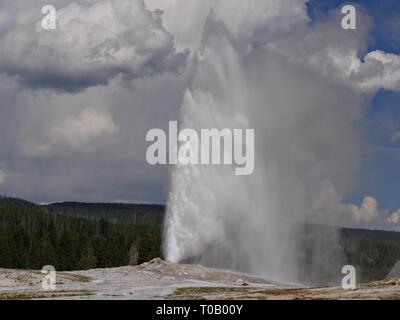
[(305, 143)]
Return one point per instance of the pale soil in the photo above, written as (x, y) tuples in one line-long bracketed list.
[(10, 278), (377, 291), (159, 279)]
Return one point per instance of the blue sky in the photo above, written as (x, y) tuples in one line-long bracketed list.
[(386, 15), (379, 173)]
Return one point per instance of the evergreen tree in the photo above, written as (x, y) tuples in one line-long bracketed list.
[(76, 236)]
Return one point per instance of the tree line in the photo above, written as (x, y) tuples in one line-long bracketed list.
[(32, 236), (74, 236)]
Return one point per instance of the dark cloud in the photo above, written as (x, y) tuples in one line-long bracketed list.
[(93, 43), (88, 146)]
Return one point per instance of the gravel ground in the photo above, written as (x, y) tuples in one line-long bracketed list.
[(156, 279), (159, 279)]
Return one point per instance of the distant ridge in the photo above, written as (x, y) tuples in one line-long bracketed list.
[(147, 214), (18, 202), (106, 205)]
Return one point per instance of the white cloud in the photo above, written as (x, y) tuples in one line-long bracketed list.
[(379, 70), (394, 217), (367, 212), (80, 129), (329, 202), (341, 55), (91, 45)]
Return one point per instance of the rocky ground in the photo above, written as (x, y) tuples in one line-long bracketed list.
[(159, 279)]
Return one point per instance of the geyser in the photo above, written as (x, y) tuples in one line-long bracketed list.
[(306, 146)]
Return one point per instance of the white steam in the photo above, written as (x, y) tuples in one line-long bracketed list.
[(306, 152)]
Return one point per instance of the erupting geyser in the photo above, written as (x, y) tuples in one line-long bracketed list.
[(305, 154)]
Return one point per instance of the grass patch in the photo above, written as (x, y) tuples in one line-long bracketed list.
[(75, 277), (237, 293), (42, 294), (200, 292)]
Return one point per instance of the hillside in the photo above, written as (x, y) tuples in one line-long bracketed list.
[(372, 252), (146, 214), (74, 235)]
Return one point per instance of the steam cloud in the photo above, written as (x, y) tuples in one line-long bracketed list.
[(302, 91)]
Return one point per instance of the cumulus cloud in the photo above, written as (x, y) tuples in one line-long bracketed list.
[(329, 203), (379, 70), (78, 131), (394, 217), (341, 55), (367, 212), (92, 44), (334, 210), (106, 160)]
